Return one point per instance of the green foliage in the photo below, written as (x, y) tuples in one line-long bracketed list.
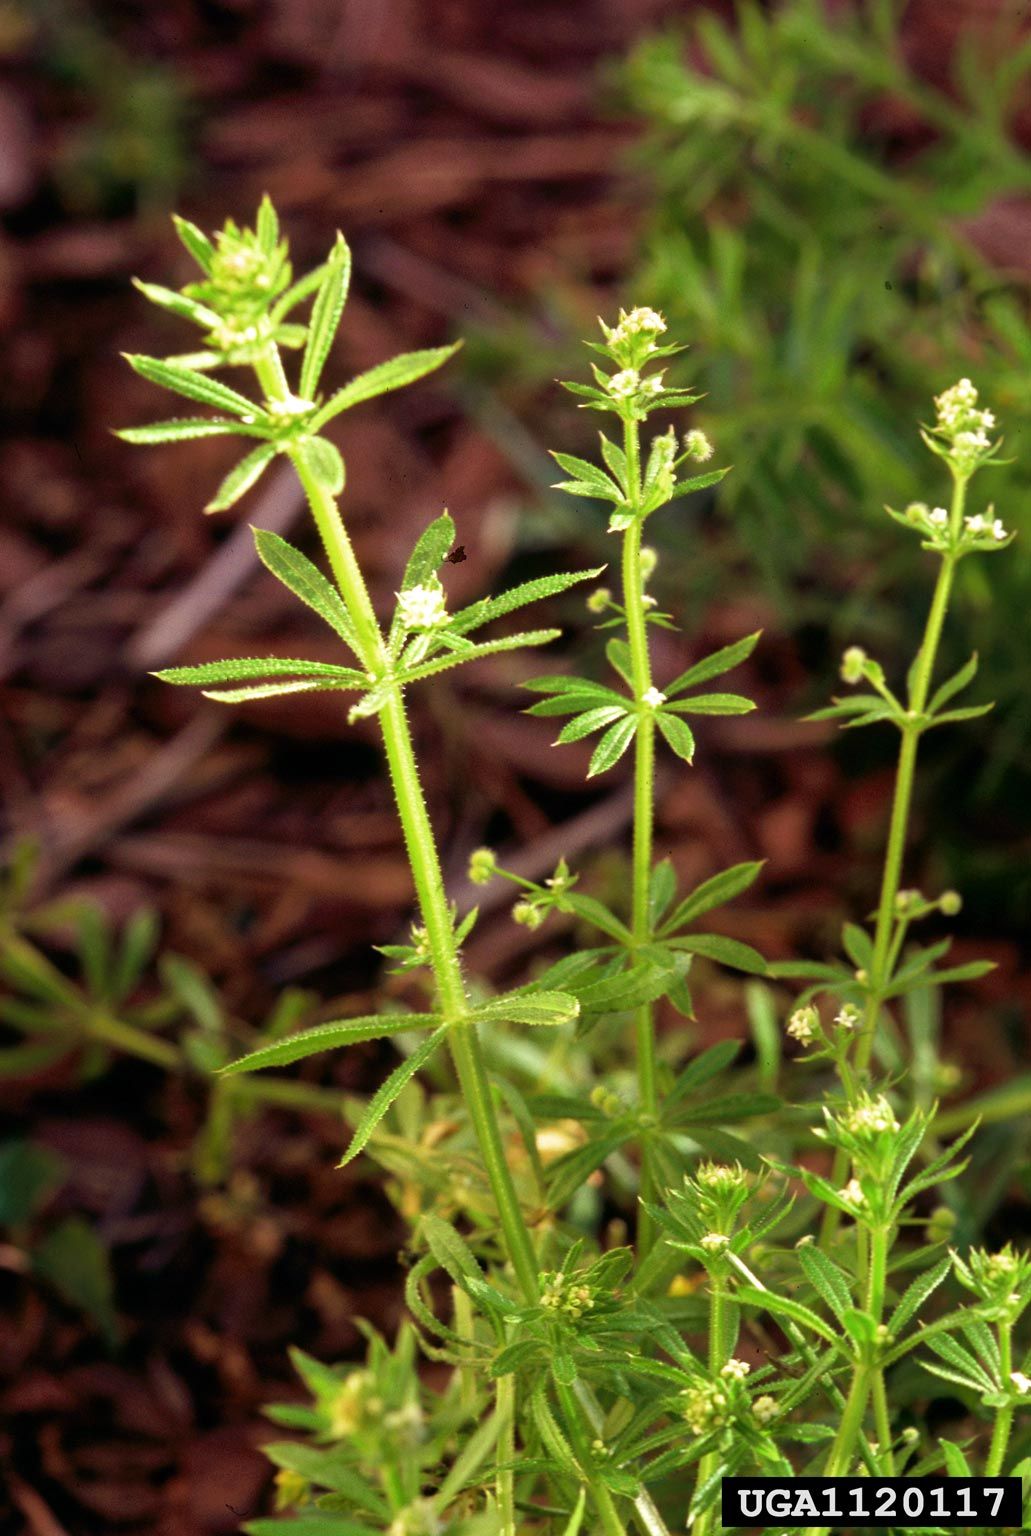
[(776, 1295)]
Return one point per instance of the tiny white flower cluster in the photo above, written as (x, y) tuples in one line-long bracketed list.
[(653, 698), (853, 1193), (870, 1116), (848, 1017), (804, 1025), (765, 1408), (715, 1242), (720, 1178), (982, 527), (628, 384), (963, 424), (1021, 1382), (736, 1370), (639, 321), (422, 607)]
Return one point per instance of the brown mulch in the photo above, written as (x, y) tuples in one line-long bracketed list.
[(465, 151)]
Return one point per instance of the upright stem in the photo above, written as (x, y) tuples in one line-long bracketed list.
[(1004, 1417), (644, 811), (900, 809), (436, 916), (717, 1329)]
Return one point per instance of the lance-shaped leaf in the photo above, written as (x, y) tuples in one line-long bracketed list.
[(916, 1294), (612, 745), (177, 304), (714, 946), (590, 721), (677, 734), (238, 668), (195, 386), (385, 377), (325, 316), (699, 482), (702, 1070), (329, 1037), (182, 429), (535, 591), (528, 638), (587, 479), (646, 983), (274, 690), (385, 1096), (536, 1008), (242, 476), (195, 241), (429, 553), (783, 1306), (713, 892), (827, 1279), (295, 294), (713, 665), (305, 581), (953, 685), (713, 704)]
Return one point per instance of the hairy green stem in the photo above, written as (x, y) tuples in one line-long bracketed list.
[(421, 847), (900, 810), (644, 813), (1004, 1416)]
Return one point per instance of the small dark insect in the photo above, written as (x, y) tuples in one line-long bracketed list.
[(457, 555)]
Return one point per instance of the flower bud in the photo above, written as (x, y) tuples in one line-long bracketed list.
[(483, 863), (852, 664)]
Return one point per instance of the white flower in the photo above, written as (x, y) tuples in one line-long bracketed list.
[(697, 446), (715, 1242), (804, 1025), (765, 1409), (624, 384), (1021, 1382), (998, 531), (652, 385), (853, 1192), (736, 1370), (653, 698), (640, 319), (849, 1017), (422, 607), (870, 1114), (939, 517)]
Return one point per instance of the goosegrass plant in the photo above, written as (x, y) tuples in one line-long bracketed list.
[(562, 1368)]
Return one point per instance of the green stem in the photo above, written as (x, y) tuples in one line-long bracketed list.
[(717, 1329), (840, 1457), (900, 810), (1004, 1417), (504, 1479), (135, 1042), (603, 1501), (644, 814)]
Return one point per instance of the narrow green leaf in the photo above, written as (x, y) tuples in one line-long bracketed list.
[(953, 685), (329, 1037), (916, 1294), (195, 386), (385, 1096), (72, 1258), (954, 716), (530, 638), (702, 1070), (618, 653), (677, 734), (236, 669), (195, 241), (266, 225), (517, 597), (430, 551), (612, 745), (537, 1008), (597, 914), (385, 377), (589, 722), (450, 1249), (177, 303), (275, 690), (662, 887), (826, 1278), (242, 476), (574, 703), (325, 316), (713, 704), (183, 429), (305, 581), (699, 482), (783, 1306), (714, 892), (713, 665), (956, 1464)]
